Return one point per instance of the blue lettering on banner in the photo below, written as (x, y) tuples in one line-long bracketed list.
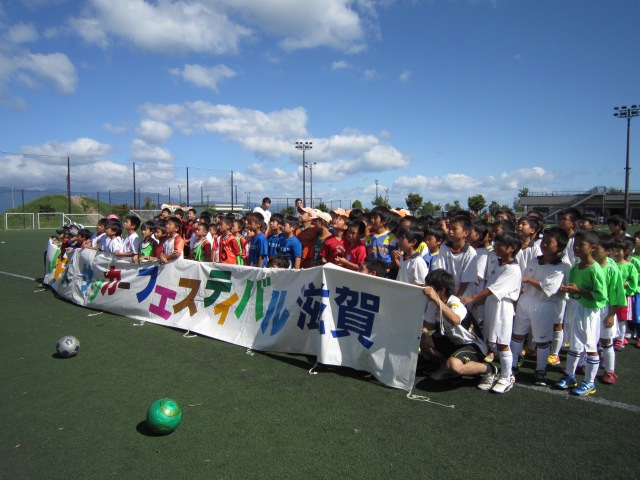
[(356, 313), (311, 307)]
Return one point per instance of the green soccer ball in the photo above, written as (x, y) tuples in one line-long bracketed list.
[(164, 416)]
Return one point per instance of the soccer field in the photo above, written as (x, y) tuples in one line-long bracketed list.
[(265, 416)]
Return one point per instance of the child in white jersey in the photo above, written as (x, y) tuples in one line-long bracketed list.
[(502, 291), (541, 303)]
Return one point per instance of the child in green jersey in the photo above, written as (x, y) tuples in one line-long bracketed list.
[(620, 253), (586, 286)]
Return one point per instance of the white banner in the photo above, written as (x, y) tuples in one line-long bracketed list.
[(343, 317)]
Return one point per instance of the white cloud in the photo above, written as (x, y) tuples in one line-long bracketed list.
[(220, 26), (340, 65), (22, 33), (141, 150), (179, 26), (152, 131), (20, 67), (452, 186), (370, 74), (204, 77), (405, 76), (55, 67), (267, 135), (115, 129), (83, 150), (319, 23)]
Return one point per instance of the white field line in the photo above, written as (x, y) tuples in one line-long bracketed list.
[(17, 276), (590, 398)]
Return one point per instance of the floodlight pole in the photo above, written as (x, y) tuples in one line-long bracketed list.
[(69, 183), (232, 209), (187, 186), (625, 112), (134, 185), (304, 146), (310, 166)]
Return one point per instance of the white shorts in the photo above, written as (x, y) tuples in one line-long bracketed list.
[(611, 332), (582, 327), (498, 320), (537, 317)]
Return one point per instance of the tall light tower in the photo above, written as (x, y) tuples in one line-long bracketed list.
[(626, 112), (304, 146), (310, 166)]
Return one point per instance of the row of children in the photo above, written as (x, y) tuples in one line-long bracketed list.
[(494, 268), (532, 282)]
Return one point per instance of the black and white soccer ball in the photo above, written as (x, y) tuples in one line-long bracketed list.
[(68, 346)]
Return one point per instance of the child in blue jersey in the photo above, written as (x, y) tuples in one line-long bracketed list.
[(275, 237), (381, 242), (290, 246), (433, 238), (259, 250)]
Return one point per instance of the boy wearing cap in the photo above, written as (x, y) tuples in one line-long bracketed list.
[(321, 222), (307, 236), (334, 245)]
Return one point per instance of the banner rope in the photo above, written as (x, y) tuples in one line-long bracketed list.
[(420, 398)]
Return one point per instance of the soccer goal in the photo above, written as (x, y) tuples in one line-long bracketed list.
[(19, 221)]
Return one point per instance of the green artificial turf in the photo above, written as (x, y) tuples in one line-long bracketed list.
[(265, 416)]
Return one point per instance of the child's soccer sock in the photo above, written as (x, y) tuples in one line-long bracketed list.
[(583, 359), (609, 358), (506, 363), (516, 346), (556, 343), (593, 362), (531, 345), (572, 362), (622, 329), (544, 350)]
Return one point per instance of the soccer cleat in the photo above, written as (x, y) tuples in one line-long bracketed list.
[(610, 378), (489, 358), (625, 341), (584, 389), (442, 374), (503, 385), (541, 378), (567, 381), (553, 360), (488, 379), (618, 346), (638, 343)]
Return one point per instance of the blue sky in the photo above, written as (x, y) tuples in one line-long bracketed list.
[(446, 98)]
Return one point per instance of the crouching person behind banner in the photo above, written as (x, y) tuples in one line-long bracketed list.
[(448, 335)]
